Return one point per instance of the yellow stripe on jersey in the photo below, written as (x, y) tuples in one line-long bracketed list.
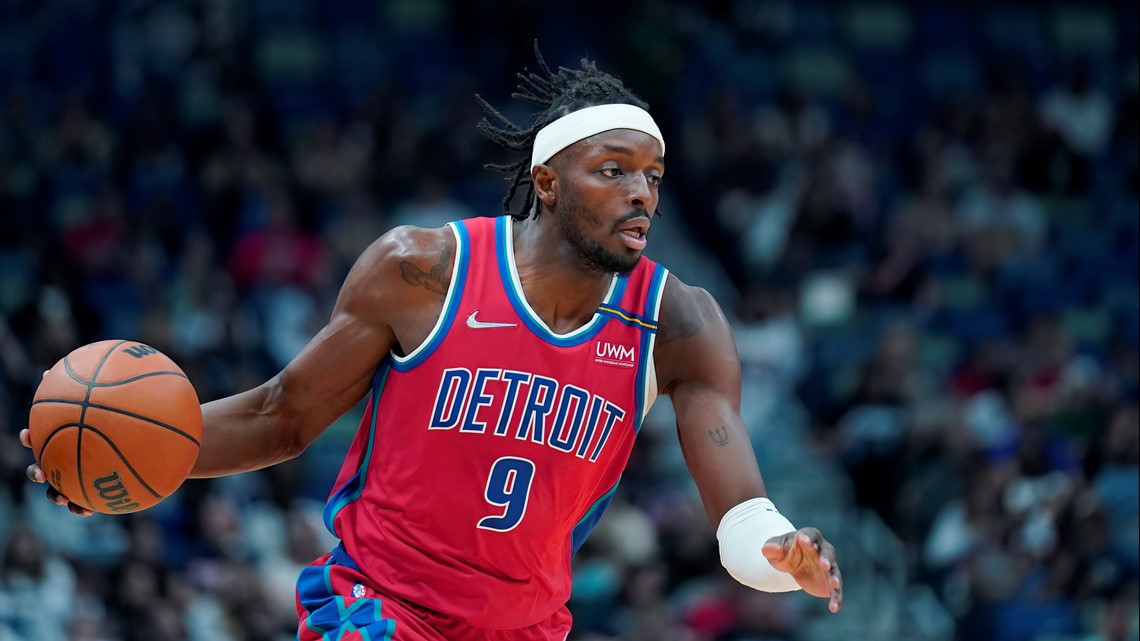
[(633, 319)]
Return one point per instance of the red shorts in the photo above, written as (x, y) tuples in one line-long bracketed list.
[(336, 601)]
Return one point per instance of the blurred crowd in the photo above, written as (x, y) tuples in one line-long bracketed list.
[(930, 215)]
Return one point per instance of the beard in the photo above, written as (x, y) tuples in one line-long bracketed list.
[(573, 218)]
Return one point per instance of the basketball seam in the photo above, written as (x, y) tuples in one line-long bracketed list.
[(75, 377), (135, 378), (91, 383), (57, 430), (115, 410), (83, 414), (125, 461)]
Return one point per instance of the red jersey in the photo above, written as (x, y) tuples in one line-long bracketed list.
[(486, 455)]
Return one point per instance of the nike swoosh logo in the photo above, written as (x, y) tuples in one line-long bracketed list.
[(478, 324)]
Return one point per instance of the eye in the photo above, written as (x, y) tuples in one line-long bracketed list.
[(654, 180), (611, 172)]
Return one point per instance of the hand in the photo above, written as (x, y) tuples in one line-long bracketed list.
[(36, 475), (810, 559)]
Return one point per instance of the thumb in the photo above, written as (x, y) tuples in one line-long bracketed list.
[(774, 549)]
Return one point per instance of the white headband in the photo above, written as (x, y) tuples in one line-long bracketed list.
[(584, 123)]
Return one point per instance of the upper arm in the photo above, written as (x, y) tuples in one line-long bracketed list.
[(698, 367), (395, 288)]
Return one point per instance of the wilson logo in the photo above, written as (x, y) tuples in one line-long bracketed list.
[(140, 350), (616, 355), (114, 493)]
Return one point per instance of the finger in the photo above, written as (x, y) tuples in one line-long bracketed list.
[(835, 573), (836, 601), (56, 497), (827, 551), (778, 548), (26, 438), (79, 510), (59, 499), (827, 559), (813, 538), (807, 547), (836, 581), (812, 534), (786, 553), (35, 474)]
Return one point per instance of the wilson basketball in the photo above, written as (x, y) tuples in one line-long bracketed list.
[(116, 426)]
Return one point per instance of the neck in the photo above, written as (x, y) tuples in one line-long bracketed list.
[(562, 291)]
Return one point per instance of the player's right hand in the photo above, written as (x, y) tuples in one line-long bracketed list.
[(811, 560), (36, 475)]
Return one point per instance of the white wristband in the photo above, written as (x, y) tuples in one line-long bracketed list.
[(742, 533)]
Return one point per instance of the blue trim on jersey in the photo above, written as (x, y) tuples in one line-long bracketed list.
[(339, 556), (312, 579), (586, 524), (655, 289), (331, 616), (353, 488), (313, 587), (578, 336), (451, 303)]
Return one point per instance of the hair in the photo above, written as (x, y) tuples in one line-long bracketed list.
[(557, 93)]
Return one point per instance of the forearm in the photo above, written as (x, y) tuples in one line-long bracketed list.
[(243, 432), (718, 453)]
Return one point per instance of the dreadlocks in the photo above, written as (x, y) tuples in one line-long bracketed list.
[(557, 93)]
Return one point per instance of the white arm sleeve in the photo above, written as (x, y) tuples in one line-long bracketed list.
[(742, 533)]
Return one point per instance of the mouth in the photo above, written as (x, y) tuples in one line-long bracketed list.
[(634, 233)]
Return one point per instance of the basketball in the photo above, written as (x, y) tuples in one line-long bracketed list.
[(116, 426)]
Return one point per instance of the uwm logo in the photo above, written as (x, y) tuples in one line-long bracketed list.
[(617, 355)]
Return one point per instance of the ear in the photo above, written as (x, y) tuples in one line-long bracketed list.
[(545, 180)]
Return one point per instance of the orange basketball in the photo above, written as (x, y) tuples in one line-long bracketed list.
[(116, 426)]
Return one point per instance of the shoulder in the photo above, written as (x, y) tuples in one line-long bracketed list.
[(410, 254), (694, 340), (408, 244), (406, 264), (685, 311)]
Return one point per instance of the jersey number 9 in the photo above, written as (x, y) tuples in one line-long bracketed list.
[(508, 487)]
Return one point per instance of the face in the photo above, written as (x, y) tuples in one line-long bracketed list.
[(607, 193)]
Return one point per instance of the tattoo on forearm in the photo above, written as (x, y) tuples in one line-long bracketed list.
[(719, 436), (437, 280)]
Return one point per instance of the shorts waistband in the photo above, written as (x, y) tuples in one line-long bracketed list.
[(339, 556)]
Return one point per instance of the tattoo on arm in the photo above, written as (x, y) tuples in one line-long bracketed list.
[(719, 436), (437, 280), (680, 322)]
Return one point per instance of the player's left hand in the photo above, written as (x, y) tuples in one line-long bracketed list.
[(36, 475), (810, 559)]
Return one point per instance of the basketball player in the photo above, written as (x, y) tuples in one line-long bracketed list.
[(508, 364)]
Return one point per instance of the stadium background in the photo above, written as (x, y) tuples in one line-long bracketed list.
[(921, 219)]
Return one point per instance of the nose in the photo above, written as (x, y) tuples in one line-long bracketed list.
[(640, 193)]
